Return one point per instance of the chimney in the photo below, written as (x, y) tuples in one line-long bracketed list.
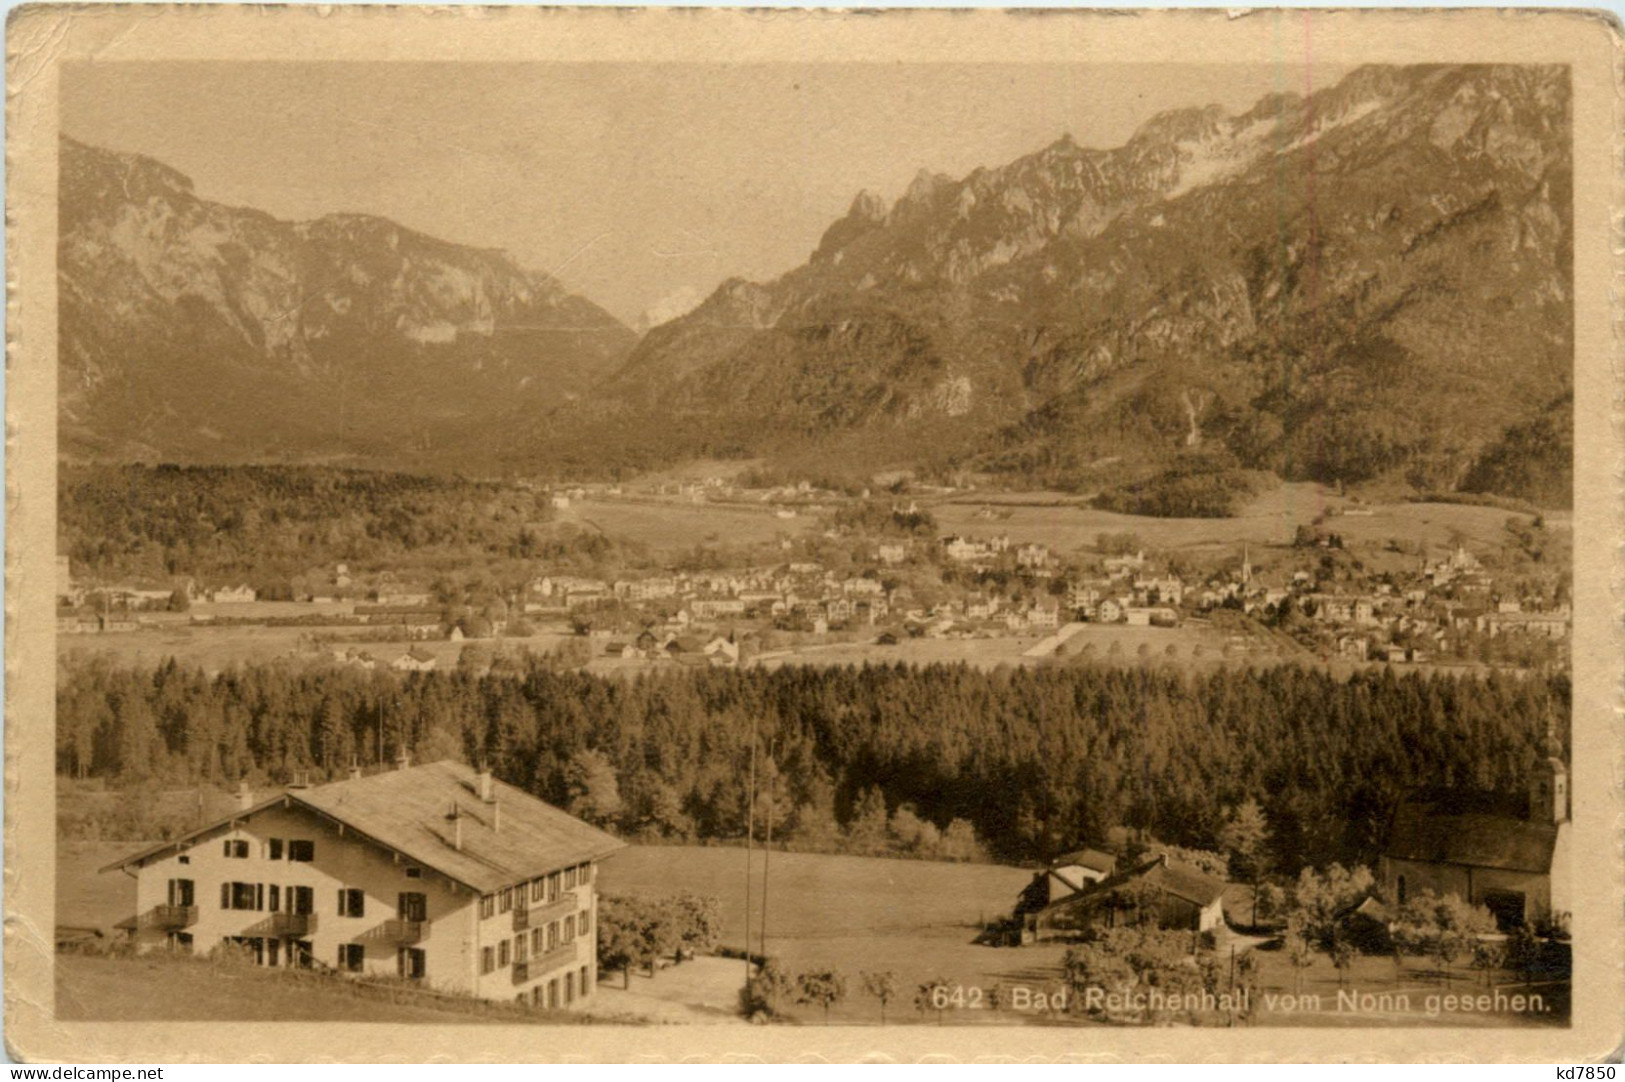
[(456, 818), (355, 770), (245, 795)]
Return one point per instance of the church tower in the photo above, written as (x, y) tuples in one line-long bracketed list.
[(1549, 788)]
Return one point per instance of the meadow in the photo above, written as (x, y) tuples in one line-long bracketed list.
[(214, 649), (1067, 525), (672, 526)]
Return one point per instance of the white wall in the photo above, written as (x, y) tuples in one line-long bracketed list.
[(347, 862)]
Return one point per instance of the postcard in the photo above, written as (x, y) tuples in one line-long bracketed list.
[(585, 534)]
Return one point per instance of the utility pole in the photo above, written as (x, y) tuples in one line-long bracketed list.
[(767, 848), (750, 833)]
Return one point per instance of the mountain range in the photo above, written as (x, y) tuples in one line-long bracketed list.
[(1371, 282), (197, 332)]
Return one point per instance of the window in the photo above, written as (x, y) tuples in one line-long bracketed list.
[(274, 849), (301, 900), (236, 849), (553, 992), (506, 902), (352, 957), (583, 980), (273, 952), (502, 953), (488, 906), (536, 941), (552, 935), (301, 954), (412, 906), (180, 892), (569, 878), (411, 963), (352, 902), (242, 896), (186, 860), (414, 872), (301, 849), (569, 988), (521, 948), (581, 923), (488, 959), (553, 886), (569, 929), (537, 888), (181, 941)]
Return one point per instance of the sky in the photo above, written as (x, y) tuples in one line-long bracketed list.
[(641, 186)]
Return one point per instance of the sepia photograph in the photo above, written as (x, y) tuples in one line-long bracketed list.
[(814, 543)]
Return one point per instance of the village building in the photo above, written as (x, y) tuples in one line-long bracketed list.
[(1180, 896), (1033, 556), (417, 659), (437, 874), (1066, 875), (1507, 852)]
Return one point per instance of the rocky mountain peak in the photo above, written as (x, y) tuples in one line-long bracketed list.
[(171, 306), (1084, 300)]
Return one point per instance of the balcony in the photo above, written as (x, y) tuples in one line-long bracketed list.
[(548, 961), (285, 926), (168, 918), (400, 933)]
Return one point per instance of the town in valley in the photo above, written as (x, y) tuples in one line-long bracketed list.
[(1119, 586)]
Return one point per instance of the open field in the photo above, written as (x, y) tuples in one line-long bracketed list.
[(85, 899), (215, 648), (270, 610), (165, 989), (673, 526), (977, 653), (917, 918), (1066, 525)]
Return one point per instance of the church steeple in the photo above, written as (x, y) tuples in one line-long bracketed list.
[(1549, 787)]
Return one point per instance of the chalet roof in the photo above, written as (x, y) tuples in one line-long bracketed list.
[(1176, 879), (1461, 831), (1087, 858), (1184, 882), (406, 811)]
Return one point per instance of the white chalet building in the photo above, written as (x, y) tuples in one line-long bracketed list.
[(436, 873)]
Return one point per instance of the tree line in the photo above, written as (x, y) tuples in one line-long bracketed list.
[(269, 524), (1029, 762)]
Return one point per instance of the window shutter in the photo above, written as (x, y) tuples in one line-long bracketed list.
[(225, 895)]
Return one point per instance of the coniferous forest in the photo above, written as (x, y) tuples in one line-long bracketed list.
[(1035, 760)]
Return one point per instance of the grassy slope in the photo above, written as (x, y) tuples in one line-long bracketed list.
[(156, 988)]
